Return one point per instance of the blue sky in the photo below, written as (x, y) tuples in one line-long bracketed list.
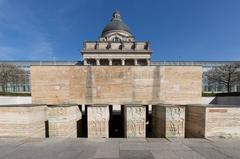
[(55, 29)]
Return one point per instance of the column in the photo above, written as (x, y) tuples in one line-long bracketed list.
[(148, 62), (168, 121), (135, 62), (98, 62), (85, 62), (110, 62), (62, 120), (135, 121), (98, 121), (123, 62)]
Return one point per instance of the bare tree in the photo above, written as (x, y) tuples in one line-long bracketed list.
[(10, 74), (228, 75)]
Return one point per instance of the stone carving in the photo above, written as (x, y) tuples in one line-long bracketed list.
[(175, 119), (98, 119), (136, 119)]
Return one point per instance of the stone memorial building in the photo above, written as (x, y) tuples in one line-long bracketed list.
[(117, 92)]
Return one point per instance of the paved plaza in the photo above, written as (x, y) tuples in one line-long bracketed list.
[(151, 148)]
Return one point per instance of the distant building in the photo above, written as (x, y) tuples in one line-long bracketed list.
[(116, 46)]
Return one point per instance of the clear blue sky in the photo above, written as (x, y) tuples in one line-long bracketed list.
[(55, 29)]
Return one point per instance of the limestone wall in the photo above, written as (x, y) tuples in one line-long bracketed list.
[(116, 84), (62, 120), (22, 121), (213, 121)]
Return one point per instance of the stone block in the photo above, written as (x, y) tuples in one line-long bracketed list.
[(22, 121), (98, 121), (135, 121), (212, 121), (168, 120), (62, 120)]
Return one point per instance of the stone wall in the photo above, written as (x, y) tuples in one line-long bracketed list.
[(116, 84), (62, 120), (213, 121), (22, 121), (168, 120)]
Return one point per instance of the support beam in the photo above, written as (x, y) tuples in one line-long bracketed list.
[(135, 121), (98, 121)]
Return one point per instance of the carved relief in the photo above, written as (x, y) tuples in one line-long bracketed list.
[(98, 118), (175, 119), (136, 117)]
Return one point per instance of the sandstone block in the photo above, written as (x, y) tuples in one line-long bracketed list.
[(168, 120), (63, 119), (98, 121), (135, 121)]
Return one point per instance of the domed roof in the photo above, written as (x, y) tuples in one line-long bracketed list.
[(116, 23)]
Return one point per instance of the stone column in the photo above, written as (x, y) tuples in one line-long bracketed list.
[(123, 62), (98, 121), (168, 120), (148, 62), (110, 62), (98, 62), (85, 62), (135, 62), (63, 120), (135, 121)]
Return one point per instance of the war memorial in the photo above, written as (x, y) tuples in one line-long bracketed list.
[(117, 78)]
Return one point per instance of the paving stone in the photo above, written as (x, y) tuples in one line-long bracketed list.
[(108, 150), (135, 154)]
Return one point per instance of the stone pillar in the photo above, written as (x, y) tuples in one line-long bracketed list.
[(98, 121), (148, 62), (97, 62), (135, 62), (85, 62), (110, 62), (63, 120), (168, 120), (123, 62), (135, 121)]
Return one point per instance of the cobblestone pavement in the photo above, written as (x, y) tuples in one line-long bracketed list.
[(151, 148)]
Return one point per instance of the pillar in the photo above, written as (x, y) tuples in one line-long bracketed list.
[(85, 62), (97, 62), (62, 120), (135, 121), (135, 62), (123, 62), (110, 62), (168, 121), (98, 121), (148, 62)]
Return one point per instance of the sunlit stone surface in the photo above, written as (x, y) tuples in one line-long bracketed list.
[(98, 121), (135, 121)]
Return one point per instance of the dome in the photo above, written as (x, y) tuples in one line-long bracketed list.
[(116, 23)]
